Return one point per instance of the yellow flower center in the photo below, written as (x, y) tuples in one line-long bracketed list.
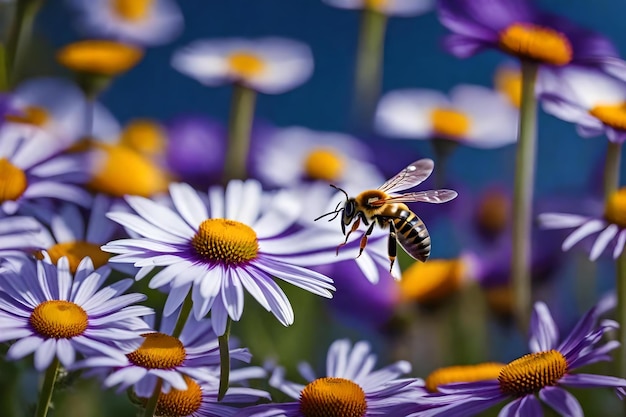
[(246, 64), (493, 212), (450, 123), (532, 372), (13, 181), (463, 373), (376, 5), (144, 136), (508, 81), (99, 57), (536, 43), (32, 115), (177, 403), (615, 210), (613, 115), (58, 319), (75, 252), (158, 351), (132, 10), (500, 300), (332, 397), (225, 241), (324, 164), (118, 171), (430, 282)]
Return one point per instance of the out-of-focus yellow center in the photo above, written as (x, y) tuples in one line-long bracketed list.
[(450, 123), (246, 64), (58, 319), (536, 43), (13, 181), (377, 5), (430, 282), (493, 213), (75, 252), (463, 373), (177, 403), (132, 10), (99, 57), (324, 164), (508, 81), (144, 136), (532, 372), (225, 241), (500, 300), (333, 397), (613, 115), (158, 351), (32, 115), (118, 171), (615, 210)]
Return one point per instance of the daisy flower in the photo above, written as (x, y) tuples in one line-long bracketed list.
[(20, 235), (285, 157), (609, 227), (50, 312), (472, 115), (218, 249), (543, 373), (142, 22), (589, 98), (32, 168), (351, 386), (59, 107), (387, 7), (72, 237), (517, 28), (267, 65), (195, 353)]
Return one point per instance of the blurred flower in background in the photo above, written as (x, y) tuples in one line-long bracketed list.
[(387, 7)]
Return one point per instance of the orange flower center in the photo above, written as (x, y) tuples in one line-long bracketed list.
[(99, 57), (430, 282), (450, 123), (536, 43), (33, 115), (75, 252), (246, 64), (615, 210), (180, 403), (333, 397), (58, 319), (532, 372), (145, 137), (158, 351), (13, 181), (132, 10), (463, 373), (613, 115), (508, 81), (225, 241), (324, 164)]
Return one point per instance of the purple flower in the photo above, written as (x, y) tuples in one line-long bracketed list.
[(543, 373), (517, 28)]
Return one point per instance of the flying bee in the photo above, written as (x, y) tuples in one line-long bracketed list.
[(385, 207)]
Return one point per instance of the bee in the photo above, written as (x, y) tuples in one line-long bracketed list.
[(385, 207)]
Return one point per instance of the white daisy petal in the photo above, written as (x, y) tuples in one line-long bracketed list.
[(602, 241), (560, 220), (592, 226), (188, 204), (406, 113)]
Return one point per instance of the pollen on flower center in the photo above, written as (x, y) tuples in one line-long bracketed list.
[(180, 403), (226, 241), (132, 10), (536, 43), (324, 164), (450, 123), (75, 251), (463, 373), (32, 115), (332, 397), (58, 319), (245, 64), (158, 351), (13, 181), (613, 115), (532, 372), (615, 210)]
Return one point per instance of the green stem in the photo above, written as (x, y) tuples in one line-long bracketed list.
[(443, 150), (239, 128), (4, 77), (20, 34), (523, 196), (47, 388), (612, 168), (369, 64), (183, 316), (152, 403), (224, 361)]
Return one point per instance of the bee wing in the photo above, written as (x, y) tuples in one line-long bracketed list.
[(430, 196), (409, 177)]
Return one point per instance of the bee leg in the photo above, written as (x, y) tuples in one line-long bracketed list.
[(355, 226), (392, 243), (363, 243)]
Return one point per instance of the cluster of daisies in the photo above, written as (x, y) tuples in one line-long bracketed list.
[(86, 204)]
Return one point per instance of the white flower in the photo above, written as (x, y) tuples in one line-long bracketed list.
[(388, 7)]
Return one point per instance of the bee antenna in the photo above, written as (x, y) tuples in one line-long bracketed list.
[(336, 212), (342, 190)]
